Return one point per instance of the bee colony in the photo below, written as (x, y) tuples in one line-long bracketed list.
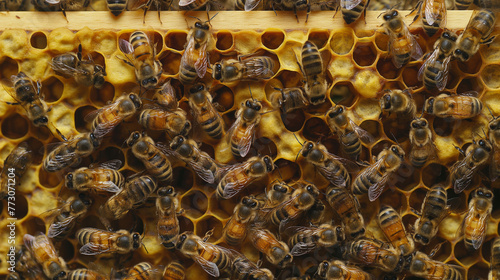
[(285, 170)]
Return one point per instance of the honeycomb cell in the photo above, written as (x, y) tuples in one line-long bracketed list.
[(471, 66), (272, 39), (111, 153), (8, 67), (434, 173), (182, 177), (66, 250), (444, 252), (443, 126), (396, 128), (343, 93), (37, 147), (224, 97), (486, 249), (342, 41), (478, 271), (288, 170), (372, 127), (33, 225), (393, 198), (364, 54), (367, 109), (207, 149), (417, 197), (185, 223), (385, 67), (491, 76), (319, 38), (209, 222), (454, 77), (410, 76), (15, 126), (221, 208), (315, 129), (224, 40), (263, 146), (195, 203), (91, 221), (38, 40), (290, 78), (368, 83), (407, 177), (293, 121), (469, 84), (458, 201), (464, 256), (170, 62), (21, 206), (176, 40), (103, 96), (382, 41), (49, 179), (80, 124), (52, 89)]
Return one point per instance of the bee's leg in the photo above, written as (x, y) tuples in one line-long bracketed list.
[(208, 235)]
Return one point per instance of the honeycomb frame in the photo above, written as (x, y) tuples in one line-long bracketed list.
[(355, 69)]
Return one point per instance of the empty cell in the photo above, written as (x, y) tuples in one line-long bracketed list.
[(207, 223), (319, 38), (272, 39), (290, 78), (185, 223), (36, 146), (464, 256), (223, 96), (101, 97), (224, 40), (386, 69), (293, 121), (52, 89), (342, 41), (195, 203), (176, 40), (443, 253), (170, 61), (491, 76), (406, 177), (410, 76), (111, 153), (182, 177), (459, 202), (434, 173), (417, 197), (21, 207), (471, 66), (49, 179), (469, 84), (8, 67), (315, 129), (372, 127), (288, 170), (343, 93), (478, 271), (394, 198), (495, 214), (66, 250), (222, 208), (80, 123), (382, 41), (15, 126), (38, 40), (364, 54), (33, 225), (443, 126), (396, 128)]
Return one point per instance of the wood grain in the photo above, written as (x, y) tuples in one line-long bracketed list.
[(227, 20)]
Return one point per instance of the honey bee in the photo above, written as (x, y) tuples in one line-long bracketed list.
[(372, 179), (141, 55), (294, 5), (27, 266), (307, 239), (66, 216), (463, 4), (352, 9), (434, 71), (106, 178), (433, 210), (243, 269), (204, 111), (65, 5), (116, 7), (350, 135), (194, 60), (402, 45), (244, 213), (278, 193), (85, 274), (212, 258), (392, 226), (433, 14), (135, 192), (166, 96), (154, 160), (14, 167), (476, 220), (174, 271), (108, 117), (329, 165), (303, 198), (476, 156), (85, 72), (463, 106), (316, 213), (400, 102), (422, 146), (192, 4), (494, 137), (337, 270), (29, 98), (348, 209), (311, 66), (242, 132), (44, 253), (142, 271), (96, 241), (277, 252), (11, 5), (241, 175), (252, 68), (173, 122), (477, 32), (289, 99), (71, 152), (495, 260), (167, 208), (422, 266), (372, 252)]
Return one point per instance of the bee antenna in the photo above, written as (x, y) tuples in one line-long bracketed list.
[(212, 17), (279, 172), (381, 14), (195, 18), (148, 99), (395, 139), (249, 89), (297, 139), (61, 135), (146, 249), (489, 110)]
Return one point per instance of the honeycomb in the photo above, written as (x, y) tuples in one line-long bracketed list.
[(358, 69)]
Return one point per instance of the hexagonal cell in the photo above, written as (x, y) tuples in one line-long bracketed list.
[(410, 76), (382, 41), (195, 203), (396, 127), (33, 225), (385, 67), (80, 124), (66, 250), (182, 177), (272, 39), (364, 54), (21, 206), (443, 126), (289, 171), (37, 147), (380, 146), (408, 221), (49, 179), (315, 129), (293, 121), (393, 198), (8, 67), (207, 223), (52, 89), (486, 249), (406, 178), (111, 153), (368, 108), (170, 62), (458, 201), (15, 126), (443, 253), (185, 224), (38, 40), (263, 146), (133, 162), (224, 40), (495, 214), (491, 76), (343, 93), (434, 173), (469, 84), (319, 38), (176, 40), (417, 197), (478, 271), (221, 208), (372, 127), (224, 97), (342, 41), (104, 95), (471, 66), (290, 78), (465, 256), (454, 76)]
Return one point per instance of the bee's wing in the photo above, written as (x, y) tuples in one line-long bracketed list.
[(53, 2), (479, 231), (56, 229), (204, 174), (349, 4), (109, 186), (114, 164), (63, 68), (462, 183), (251, 4), (364, 135), (104, 128), (416, 51), (125, 46), (430, 59), (471, 93), (29, 241), (185, 2), (246, 140), (432, 16), (65, 159), (302, 248), (133, 5), (442, 77), (210, 267), (376, 189), (92, 249), (331, 176), (350, 165), (201, 63), (255, 68)]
